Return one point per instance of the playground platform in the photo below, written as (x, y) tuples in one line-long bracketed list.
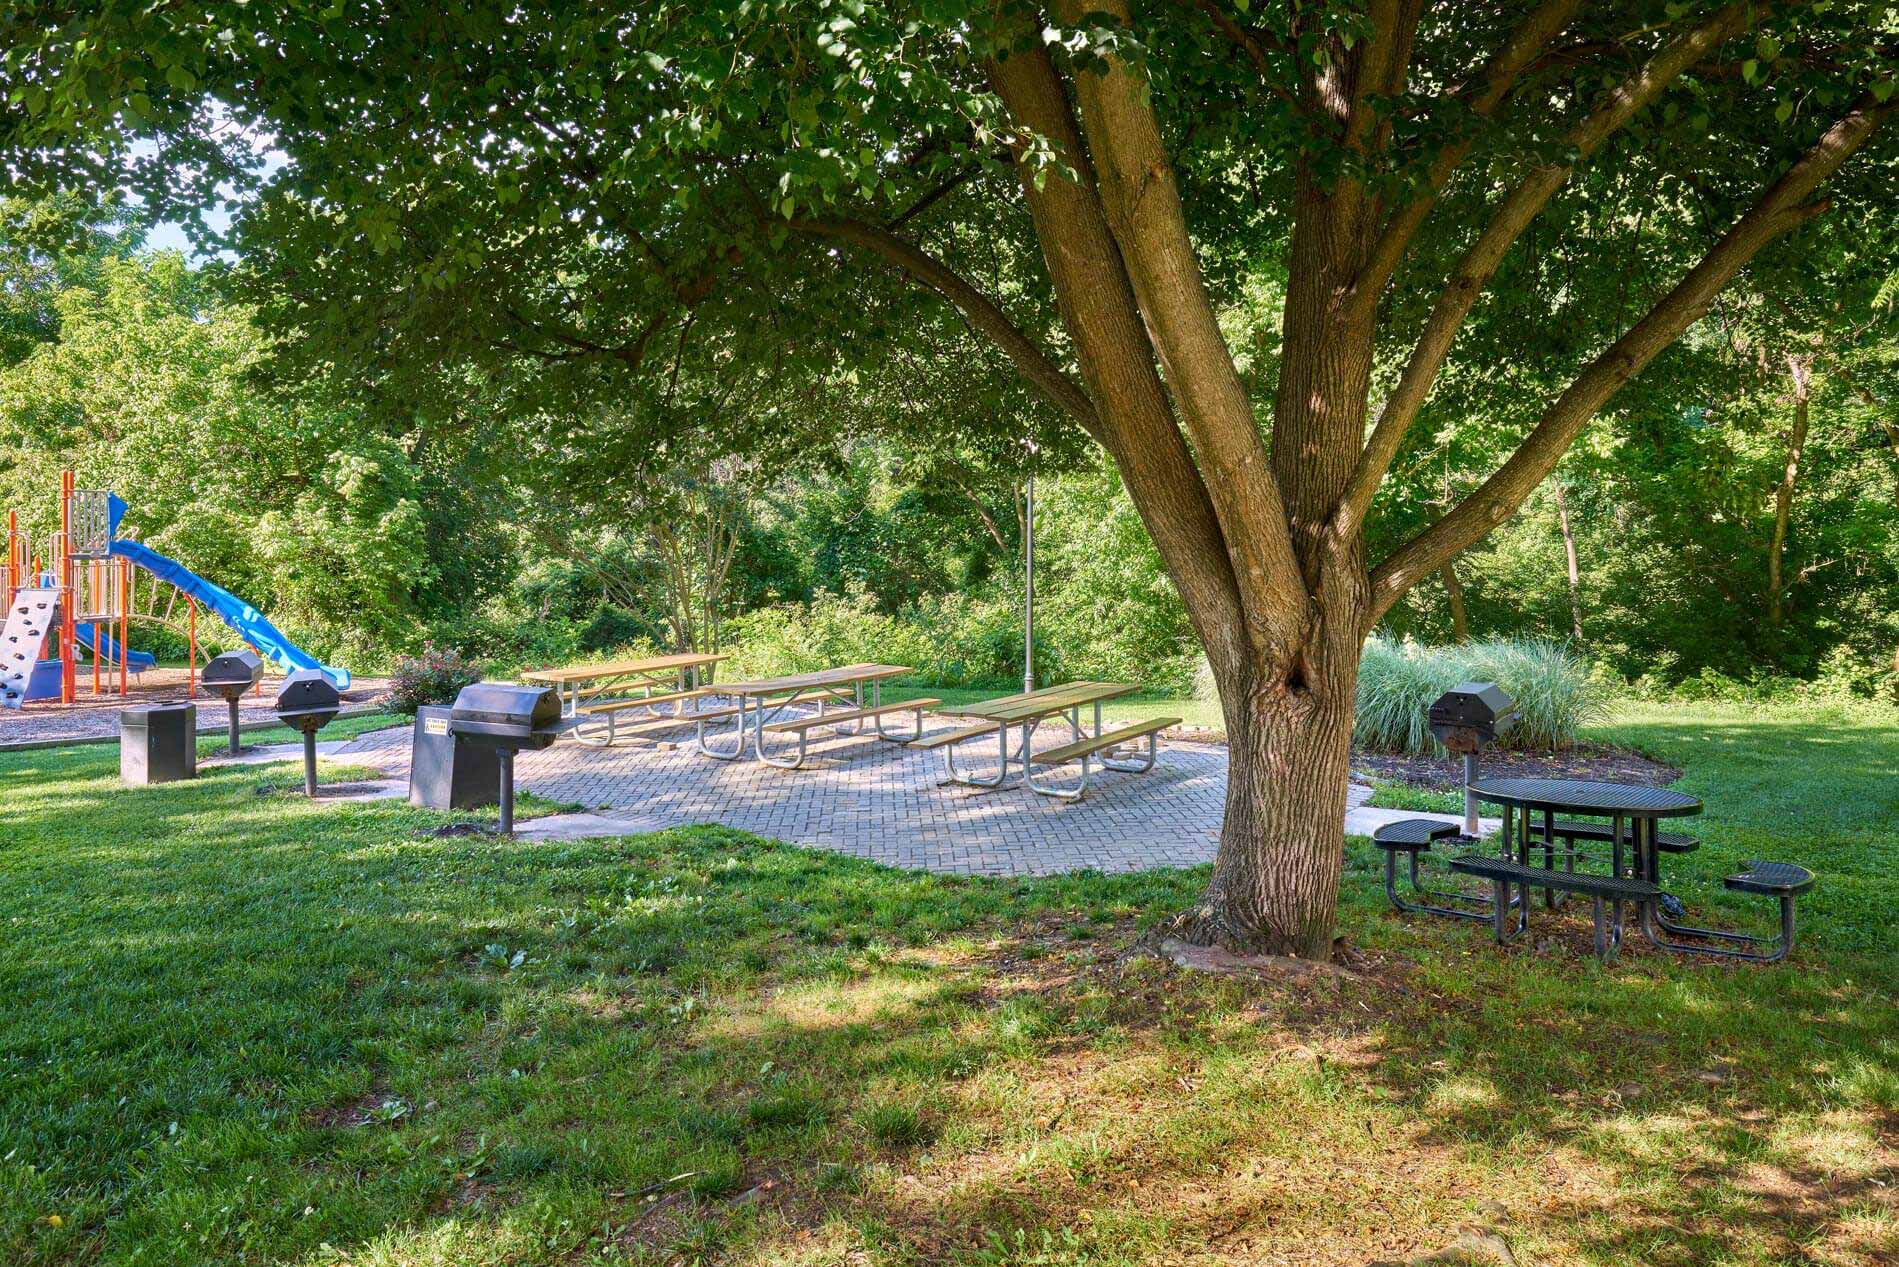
[(92, 718)]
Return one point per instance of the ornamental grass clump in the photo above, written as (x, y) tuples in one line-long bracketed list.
[(1556, 691)]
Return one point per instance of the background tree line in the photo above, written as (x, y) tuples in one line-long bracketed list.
[(1735, 521)]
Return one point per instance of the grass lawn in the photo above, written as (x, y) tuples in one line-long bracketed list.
[(249, 1028)]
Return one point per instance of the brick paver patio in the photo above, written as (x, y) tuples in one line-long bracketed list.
[(882, 801)]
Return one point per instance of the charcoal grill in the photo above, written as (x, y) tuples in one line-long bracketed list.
[(1467, 719), (228, 677), (508, 718), (307, 702)]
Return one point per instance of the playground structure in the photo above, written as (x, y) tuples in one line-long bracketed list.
[(81, 596)]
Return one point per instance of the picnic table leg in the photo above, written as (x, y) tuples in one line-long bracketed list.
[(738, 750), (1615, 854), (1028, 770), (1002, 772)]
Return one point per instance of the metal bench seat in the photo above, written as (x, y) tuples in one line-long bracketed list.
[(1775, 879), (1412, 837), (1782, 881), (1412, 834), (1571, 829), (1505, 875), (1102, 746)]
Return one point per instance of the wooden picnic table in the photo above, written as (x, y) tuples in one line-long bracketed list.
[(1029, 709), (763, 701), (611, 687)]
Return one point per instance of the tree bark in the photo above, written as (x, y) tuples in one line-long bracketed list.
[(1569, 557), (1282, 844), (1454, 591), (1798, 368)]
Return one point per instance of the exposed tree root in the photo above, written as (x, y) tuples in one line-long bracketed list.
[(1218, 959), (1476, 1247)]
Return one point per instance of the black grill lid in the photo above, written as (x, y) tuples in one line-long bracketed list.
[(307, 691), (1482, 704), (233, 673), (506, 704)]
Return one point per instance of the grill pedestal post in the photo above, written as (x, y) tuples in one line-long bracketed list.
[(233, 703), (309, 761), (507, 791), (1470, 800)]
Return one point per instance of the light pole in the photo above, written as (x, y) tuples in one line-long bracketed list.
[(1028, 582)]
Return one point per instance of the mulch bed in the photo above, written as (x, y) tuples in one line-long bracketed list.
[(1584, 761), (92, 716)]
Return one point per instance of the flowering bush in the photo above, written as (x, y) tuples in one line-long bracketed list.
[(434, 677)]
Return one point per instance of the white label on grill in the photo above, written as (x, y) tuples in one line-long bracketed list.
[(435, 725)]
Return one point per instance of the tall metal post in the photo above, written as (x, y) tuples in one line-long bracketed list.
[(1028, 586), (1470, 798), (68, 629), (506, 798), (309, 762)]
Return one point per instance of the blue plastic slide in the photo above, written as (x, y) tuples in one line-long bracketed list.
[(137, 661), (235, 612)]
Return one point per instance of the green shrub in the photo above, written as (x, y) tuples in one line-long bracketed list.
[(1556, 691), (434, 677), (954, 641)]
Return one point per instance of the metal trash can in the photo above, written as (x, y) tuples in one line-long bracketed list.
[(158, 743), (448, 772)]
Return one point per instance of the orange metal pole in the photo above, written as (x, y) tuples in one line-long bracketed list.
[(13, 549), (125, 621), (68, 677), (92, 577), (191, 661)]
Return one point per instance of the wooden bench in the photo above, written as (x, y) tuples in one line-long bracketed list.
[(664, 721), (1084, 750), (855, 714), (1505, 874), (645, 701), (803, 726), (944, 738)]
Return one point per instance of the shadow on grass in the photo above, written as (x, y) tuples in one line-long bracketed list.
[(247, 1027)]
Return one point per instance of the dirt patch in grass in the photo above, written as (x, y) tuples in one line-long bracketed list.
[(1585, 761)]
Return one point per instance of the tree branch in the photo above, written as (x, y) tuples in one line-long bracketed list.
[(1499, 74), (1779, 210), (1518, 208), (983, 313), (1117, 361), (1144, 214)]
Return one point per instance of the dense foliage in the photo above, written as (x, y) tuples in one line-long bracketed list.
[(367, 545)]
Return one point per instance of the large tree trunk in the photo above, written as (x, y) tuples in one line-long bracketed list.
[(1569, 557), (1784, 495), (1282, 845), (1454, 591)]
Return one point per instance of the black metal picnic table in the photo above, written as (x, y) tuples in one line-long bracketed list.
[(1640, 807), (1634, 812)]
